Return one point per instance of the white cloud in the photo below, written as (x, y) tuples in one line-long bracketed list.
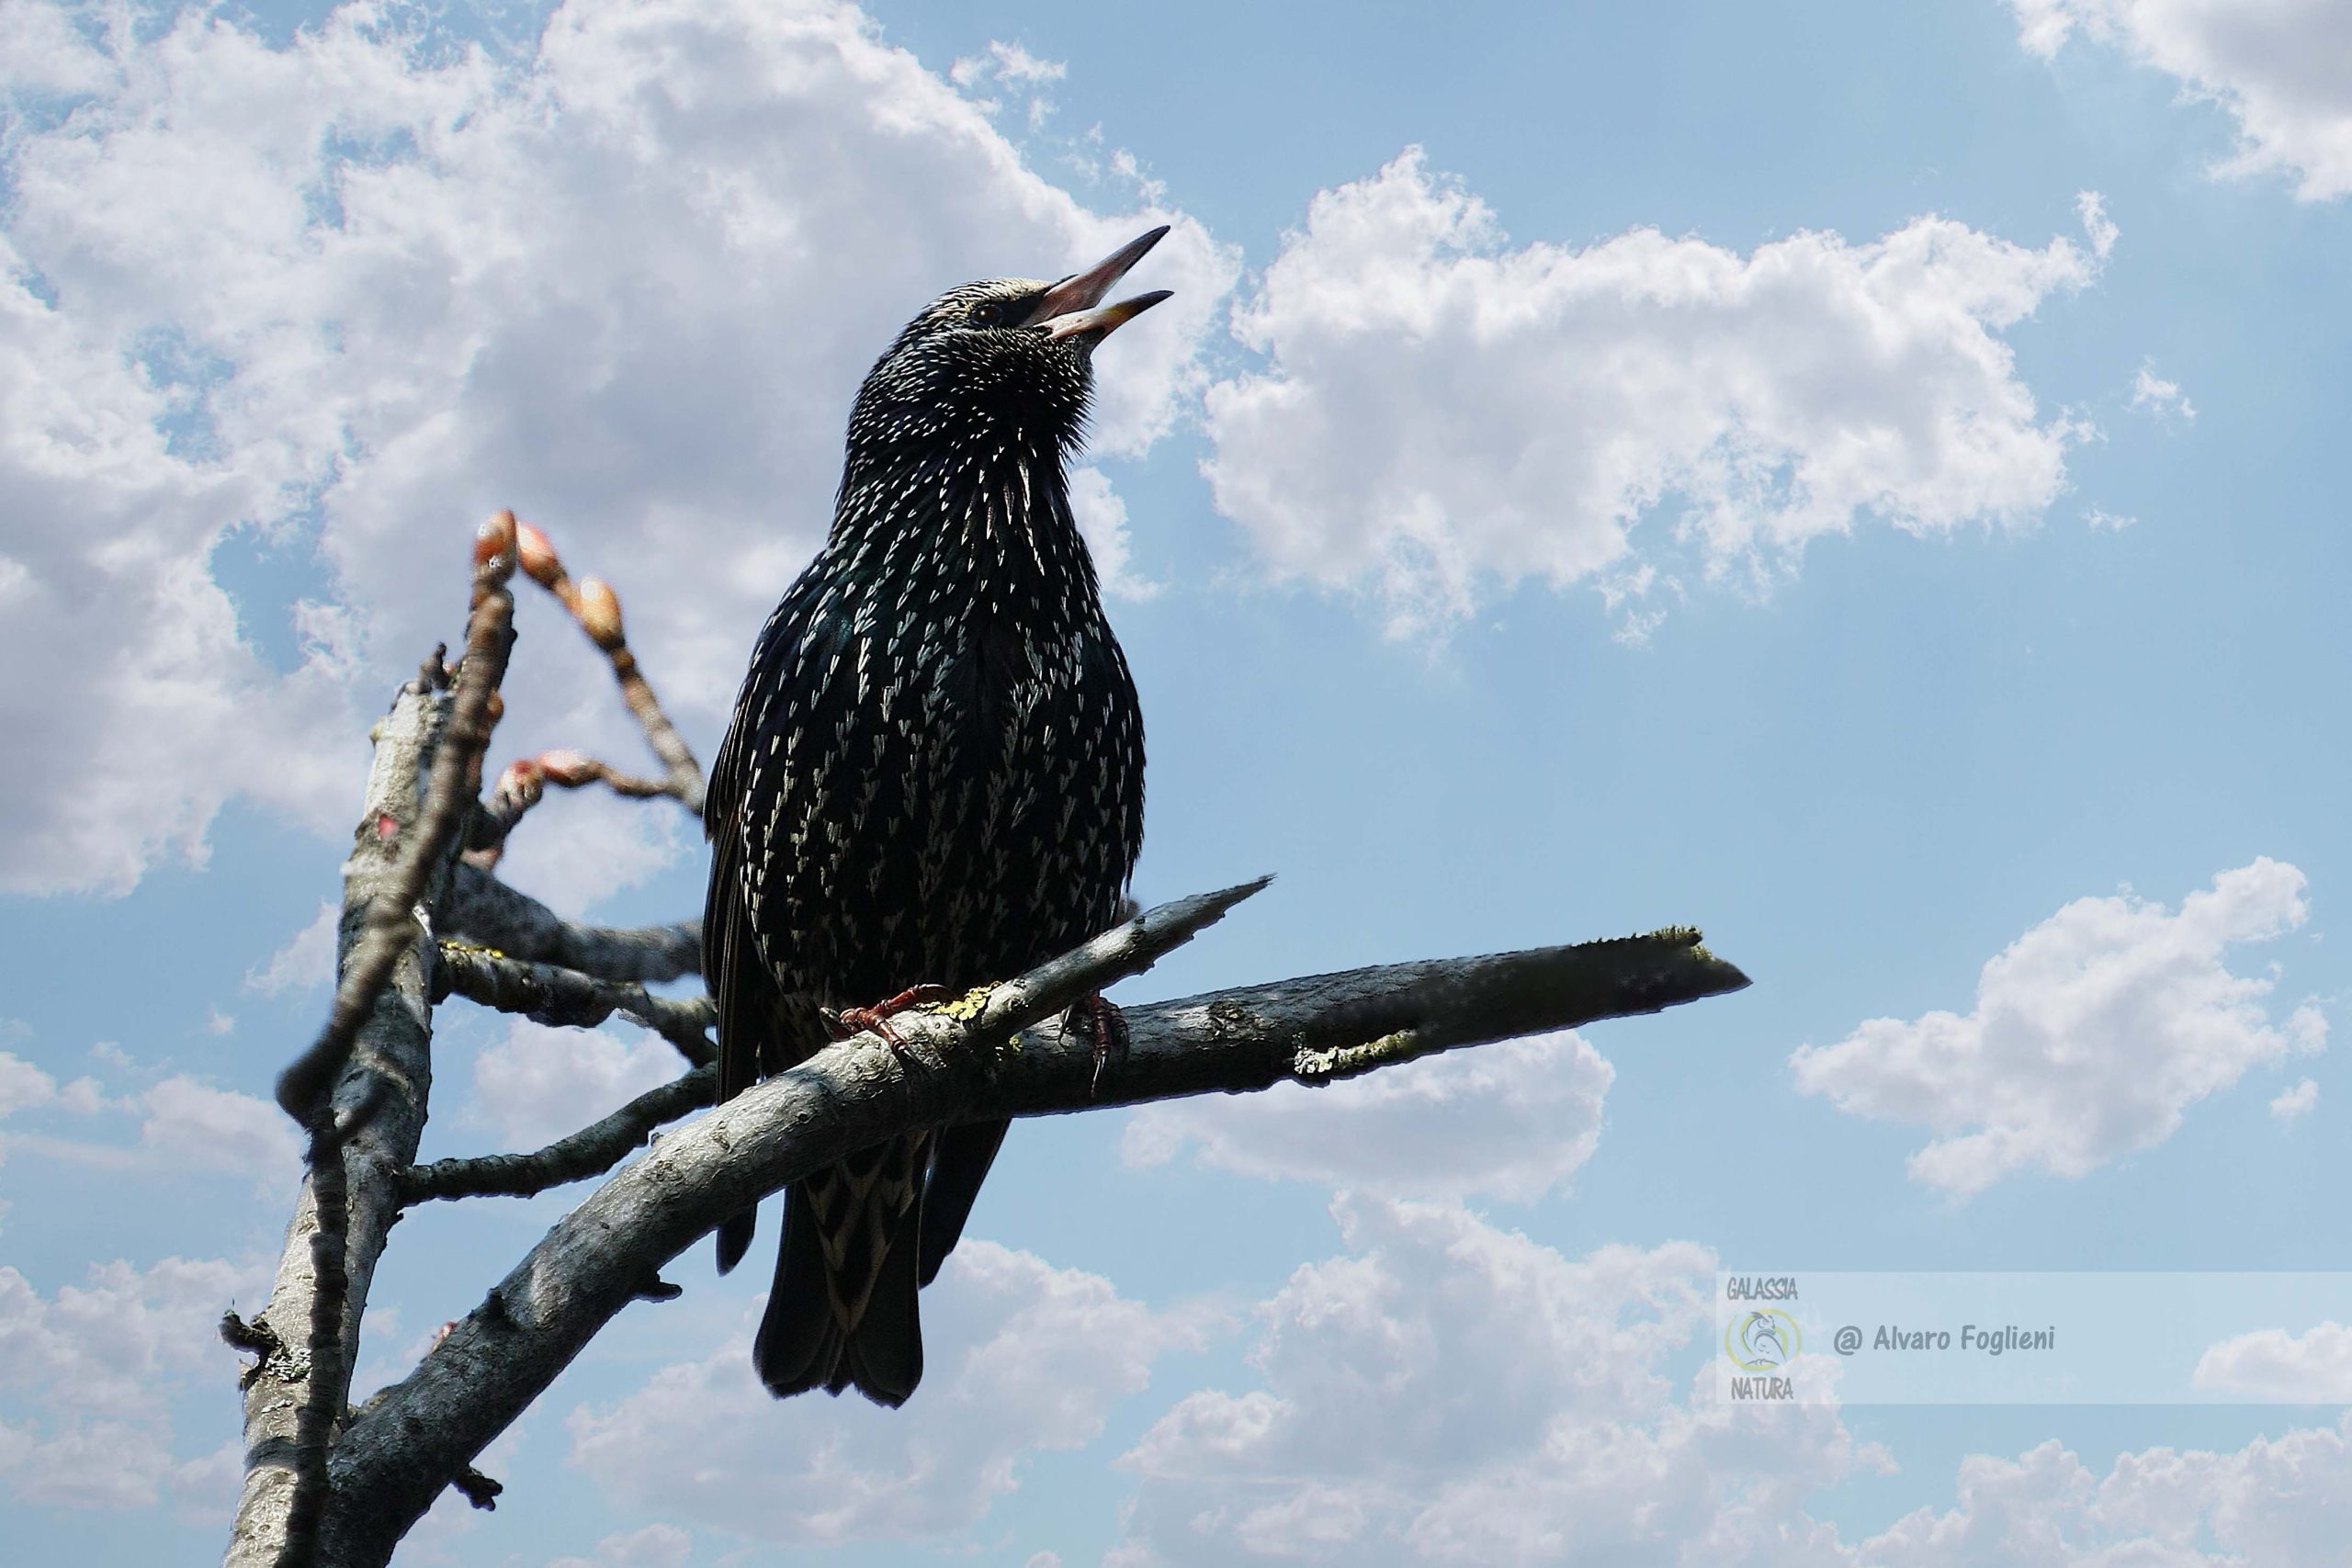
[(623, 279), (1514, 1120), (306, 962), (90, 1374), (1442, 408), (2155, 395), (195, 1126), (655, 1546), (1102, 520), (185, 1125), (1023, 1357), (2278, 1502), (2100, 517), (2273, 1366), (1447, 1392), (2295, 1102), (542, 1082), (2281, 69), (1011, 67), (23, 1085), (2091, 1035), (1006, 62)]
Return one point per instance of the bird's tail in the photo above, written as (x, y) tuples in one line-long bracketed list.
[(842, 1312)]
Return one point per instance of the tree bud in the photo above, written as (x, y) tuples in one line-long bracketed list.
[(600, 613)]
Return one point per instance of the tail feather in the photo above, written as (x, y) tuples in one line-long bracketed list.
[(883, 1355), (842, 1313), (735, 1233), (960, 1163), (800, 1339)]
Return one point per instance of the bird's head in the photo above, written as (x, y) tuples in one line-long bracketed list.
[(1010, 356)]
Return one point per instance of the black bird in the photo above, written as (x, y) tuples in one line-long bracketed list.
[(933, 776)]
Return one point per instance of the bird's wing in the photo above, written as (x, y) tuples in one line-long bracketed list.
[(741, 985)]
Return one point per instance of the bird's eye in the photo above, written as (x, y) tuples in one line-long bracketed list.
[(987, 315)]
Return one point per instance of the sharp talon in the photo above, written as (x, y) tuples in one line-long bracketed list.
[(1108, 1025)]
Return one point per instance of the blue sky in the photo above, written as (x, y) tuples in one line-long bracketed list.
[(1858, 479)]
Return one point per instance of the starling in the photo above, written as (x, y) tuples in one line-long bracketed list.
[(934, 777)]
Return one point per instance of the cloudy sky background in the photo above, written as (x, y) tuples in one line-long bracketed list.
[(1866, 480)]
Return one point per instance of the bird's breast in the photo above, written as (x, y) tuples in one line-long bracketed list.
[(948, 779)]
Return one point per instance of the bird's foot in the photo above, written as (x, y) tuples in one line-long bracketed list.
[(856, 1020), (1105, 1025)]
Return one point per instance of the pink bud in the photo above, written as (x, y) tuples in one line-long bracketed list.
[(495, 538), (569, 768), (600, 613), (538, 556)]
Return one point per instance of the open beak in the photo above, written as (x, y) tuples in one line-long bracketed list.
[(1073, 307)]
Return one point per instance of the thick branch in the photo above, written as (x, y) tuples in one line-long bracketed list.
[(360, 1088), (480, 909), (962, 1064), (592, 1151), (392, 1049), (549, 994)]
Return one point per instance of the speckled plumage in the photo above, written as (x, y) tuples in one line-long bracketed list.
[(933, 775)]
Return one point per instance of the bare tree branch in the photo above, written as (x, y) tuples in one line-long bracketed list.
[(524, 783), (595, 605), (961, 1061), (390, 926), (403, 850), (592, 1151), (549, 994), (483, 909), (392, 1049)]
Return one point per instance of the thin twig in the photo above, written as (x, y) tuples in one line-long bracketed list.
[(523, 785), (392, 918), (592, 1151), (548, 994), (593, 605)]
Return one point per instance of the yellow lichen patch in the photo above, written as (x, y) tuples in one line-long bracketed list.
[(966, 1008), (469, 947)]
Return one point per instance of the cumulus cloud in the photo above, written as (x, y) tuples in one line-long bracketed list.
[(1514, 1121), (2152, 394), (2092, 1034), (2278, 1501), (2276, 1366), (541, 1083), (306, 962), (192, 1125), (1023, 1357), (655, 1546), (23, 1085), (353, 291), (185, 1124), (1440, 407), (88, 1375), (1447, 1392), (2281, 69), (2295, 1102)]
